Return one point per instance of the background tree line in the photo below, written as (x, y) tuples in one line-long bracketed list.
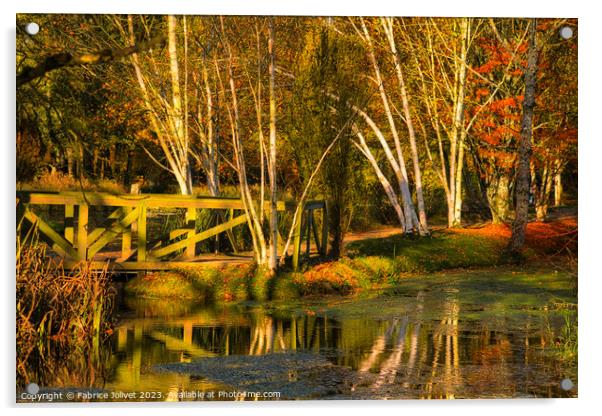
[(407, 121)]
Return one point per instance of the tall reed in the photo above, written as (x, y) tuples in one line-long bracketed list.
[(62, 316)]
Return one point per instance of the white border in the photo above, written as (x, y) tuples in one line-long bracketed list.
[(590, 112)]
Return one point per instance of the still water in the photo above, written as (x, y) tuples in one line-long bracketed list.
[(459, 335), (448, 338)]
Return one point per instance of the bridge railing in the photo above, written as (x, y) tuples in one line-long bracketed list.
[(76, 239)]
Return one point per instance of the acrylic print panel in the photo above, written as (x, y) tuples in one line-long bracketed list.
[(278, 208)]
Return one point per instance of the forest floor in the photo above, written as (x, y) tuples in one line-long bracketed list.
[(374, 259)]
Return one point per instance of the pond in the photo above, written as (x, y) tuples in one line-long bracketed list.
[(478, 334)]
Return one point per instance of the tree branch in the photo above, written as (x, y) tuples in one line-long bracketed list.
[(65, 59)]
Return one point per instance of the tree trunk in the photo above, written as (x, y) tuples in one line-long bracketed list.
[(95, 161), (458, 132), (171, 133), (257, 235), (363, 147), (69, 152), (558, 184), (183, 175), (542, 200), (519, 227), (402, 175), (80, 160), (457, 217), (388, 26), (113, 160), (273, 249), (498, 196)]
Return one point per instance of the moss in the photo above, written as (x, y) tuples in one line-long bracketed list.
[(371, 264), (260, 283), (443, 250), (162, 285), (285, 287)]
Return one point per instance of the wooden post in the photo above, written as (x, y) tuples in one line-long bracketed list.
[(69, 215), (324, 230), (297, 242), (82, 232), (142, 233), (310, 217), (126, 238), (187, 338), (191, 225)]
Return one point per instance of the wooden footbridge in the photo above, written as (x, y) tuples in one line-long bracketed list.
[(102, 228)]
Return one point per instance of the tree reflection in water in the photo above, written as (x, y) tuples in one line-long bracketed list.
[(413, 352)]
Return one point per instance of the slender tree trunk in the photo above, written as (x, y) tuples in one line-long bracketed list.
[(95, 161), (80, 160), (273, 257), (389, 191), (558, 184), (102, 169), (388, 26), (408, 206), (458, 133), (170, 133), (254, 221), (519, 227), (542, 200), (184, 178), (113, 160), (69, 154), (457, 219)]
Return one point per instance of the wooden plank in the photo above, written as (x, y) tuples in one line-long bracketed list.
[(200, 236), (191, 225), (125, 255), (176, 344), (129, 200), (97, 232), (82, 232), (69, 216), (141, 233), (178, 233), (126, 236), (60, 245), (93, 236), (112, 232), (314, 205), (156, 264)]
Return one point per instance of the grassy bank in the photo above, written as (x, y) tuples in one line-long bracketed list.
[(368, 264)]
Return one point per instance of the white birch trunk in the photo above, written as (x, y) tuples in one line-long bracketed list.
[(387, 24), (167, 137), (258, 238), (389, 191), (272, 157), (408, 206)]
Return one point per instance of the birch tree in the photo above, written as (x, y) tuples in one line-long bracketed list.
[(273, 255), (166, 116), (439, 50), (519, 227), (387, 24)]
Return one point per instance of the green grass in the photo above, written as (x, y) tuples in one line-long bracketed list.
[(234, 283), (429, 254), (378, 263)]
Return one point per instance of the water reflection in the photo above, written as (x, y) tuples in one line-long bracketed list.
[(444, 353)]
